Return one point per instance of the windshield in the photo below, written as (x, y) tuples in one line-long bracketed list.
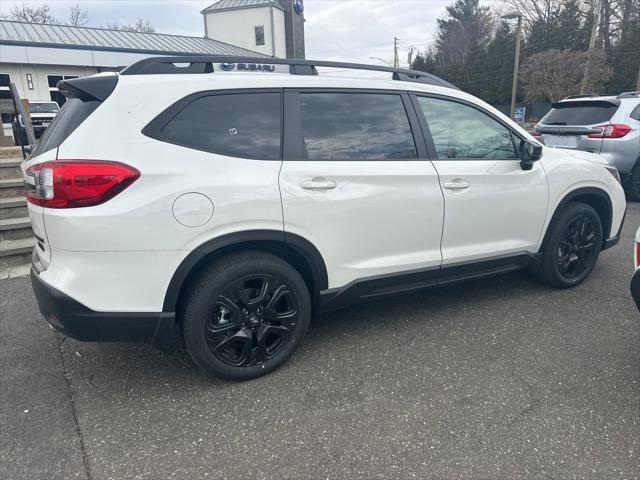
[(579, 113), (49, 107)]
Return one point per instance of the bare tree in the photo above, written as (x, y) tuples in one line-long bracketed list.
[(27, 13), (141, 25), (78, 17), (554, 74)]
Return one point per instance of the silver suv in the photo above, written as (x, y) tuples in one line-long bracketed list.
[(604, 124)]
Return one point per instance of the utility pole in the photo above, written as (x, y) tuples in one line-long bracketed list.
[(396, 63), (638, 81), (596, 6), (516, 61)]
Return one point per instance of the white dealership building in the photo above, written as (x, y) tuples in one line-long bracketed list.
[(35, 57)]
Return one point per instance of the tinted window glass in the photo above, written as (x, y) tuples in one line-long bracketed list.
[(461, 131), (579, 113), (355, 126), (635, 113), (243, 125), (72, 114)]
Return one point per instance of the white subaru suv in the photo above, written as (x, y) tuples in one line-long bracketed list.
[(224, 201)]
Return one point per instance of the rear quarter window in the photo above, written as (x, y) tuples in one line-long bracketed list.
[(71, 115), (635, 113), (579, 113), (243, 125)]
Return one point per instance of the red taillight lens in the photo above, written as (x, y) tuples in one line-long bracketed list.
[(78, 183), (613, 130), (637, 254), (535, 132)]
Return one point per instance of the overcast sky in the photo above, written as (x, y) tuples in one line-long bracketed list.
[(347, 30)]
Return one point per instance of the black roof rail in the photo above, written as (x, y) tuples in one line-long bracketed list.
[(207, 64), (629, 94)]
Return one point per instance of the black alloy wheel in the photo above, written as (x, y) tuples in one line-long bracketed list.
[(571, 246), (577, 247), (245, 315), (253, 320)]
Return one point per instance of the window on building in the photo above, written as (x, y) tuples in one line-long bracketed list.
[(54, 94), (246, 125), (259, 35), (356, 126), (5, 94), (461, 131)]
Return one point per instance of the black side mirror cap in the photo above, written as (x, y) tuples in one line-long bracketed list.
[(529, 152)]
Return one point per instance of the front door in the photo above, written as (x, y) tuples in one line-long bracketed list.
[(356, 184), (493, 207)]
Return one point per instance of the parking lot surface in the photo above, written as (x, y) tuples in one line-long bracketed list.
[(499, 379)]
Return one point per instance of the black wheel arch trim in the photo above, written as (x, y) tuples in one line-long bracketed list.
[(299, 244), (572, 195)]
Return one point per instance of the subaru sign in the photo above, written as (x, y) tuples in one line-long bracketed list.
[(298, 6), (518, 114)]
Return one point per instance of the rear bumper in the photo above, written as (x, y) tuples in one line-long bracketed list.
[(635, 287), (75, 320)]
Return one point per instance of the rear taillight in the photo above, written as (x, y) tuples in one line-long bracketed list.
[(535, 131), (613, 130), (78, 183), (637, 255)]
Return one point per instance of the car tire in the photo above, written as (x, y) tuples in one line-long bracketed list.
[(245, 315), (632, 187), (571, 247)]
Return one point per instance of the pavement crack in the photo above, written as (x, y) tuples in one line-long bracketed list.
[(70, 394)]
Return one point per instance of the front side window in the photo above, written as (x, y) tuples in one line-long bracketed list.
[(460, 131), (246, 125), (259, 36), (355, 126)]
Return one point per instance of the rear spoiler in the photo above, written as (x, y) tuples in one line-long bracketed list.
[(89, 88), (602, 102)]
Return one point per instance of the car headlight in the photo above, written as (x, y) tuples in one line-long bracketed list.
[(613, 171)]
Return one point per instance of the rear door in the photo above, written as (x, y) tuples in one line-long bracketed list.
[(75, 111), (356, 182), (569, 123)]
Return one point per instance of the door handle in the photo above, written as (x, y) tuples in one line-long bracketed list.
[(457, 185), (318, 184)]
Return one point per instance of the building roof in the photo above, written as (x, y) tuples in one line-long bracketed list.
[(238, 4), (85, 38)]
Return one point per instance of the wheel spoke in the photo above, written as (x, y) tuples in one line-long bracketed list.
[(236, 349), (271, 339)]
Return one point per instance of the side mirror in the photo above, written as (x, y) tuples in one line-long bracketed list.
[(529, 152)]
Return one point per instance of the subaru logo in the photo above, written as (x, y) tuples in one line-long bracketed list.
[(228, 66), (299, 6)]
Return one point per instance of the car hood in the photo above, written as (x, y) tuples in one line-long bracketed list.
[(589, 157)]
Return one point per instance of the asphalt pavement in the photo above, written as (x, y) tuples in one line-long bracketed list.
[(495, 379)]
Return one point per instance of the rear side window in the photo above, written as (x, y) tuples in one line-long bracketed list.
[(635, 113), (579, 113), (245, 125), (73, 113), (355, 126)]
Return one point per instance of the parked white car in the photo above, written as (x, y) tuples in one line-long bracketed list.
[(228, 202)]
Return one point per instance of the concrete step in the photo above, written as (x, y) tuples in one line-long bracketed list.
[(15, 272), (11, 187), (15, 228), (10, 152), (10, 168), (16, 252), (13, 207)]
